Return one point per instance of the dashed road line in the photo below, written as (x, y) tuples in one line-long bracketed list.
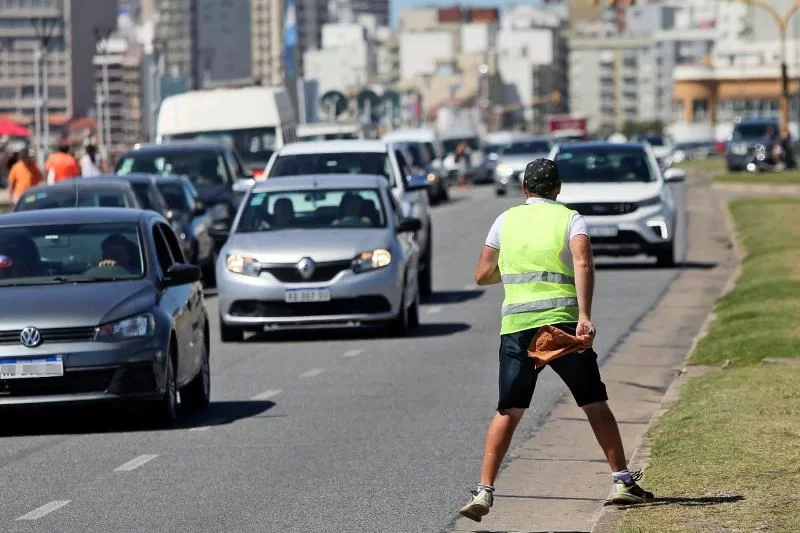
[(135, 463), (352, 353), (267, 394), (434, 310), (313, 372), (45, 509)]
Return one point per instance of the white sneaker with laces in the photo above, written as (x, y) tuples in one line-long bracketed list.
[(482, 501)]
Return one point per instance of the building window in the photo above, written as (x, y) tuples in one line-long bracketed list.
[(700, 110), (677, 110)]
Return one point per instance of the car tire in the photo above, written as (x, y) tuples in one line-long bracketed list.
[(165, 410), (426, 273), (230, 333), (500, 192), (445, 193), (197, 393), (400, 325), (210, 270), (413, 313), (665, 257)]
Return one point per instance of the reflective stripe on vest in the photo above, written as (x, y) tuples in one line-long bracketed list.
[(539, 287)]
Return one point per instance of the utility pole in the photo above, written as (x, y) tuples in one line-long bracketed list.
[(156, 72), (44, 29), (101, 37)]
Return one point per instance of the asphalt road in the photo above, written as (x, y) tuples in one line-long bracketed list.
[(310, 431)]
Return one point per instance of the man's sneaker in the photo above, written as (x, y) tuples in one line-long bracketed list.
[(627, 493), (479, 506)]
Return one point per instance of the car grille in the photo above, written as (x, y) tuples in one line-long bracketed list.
[(75, 382), (288, 273), (604, 209), (51, 335), (361, 305)]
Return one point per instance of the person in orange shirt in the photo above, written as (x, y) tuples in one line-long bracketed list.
[(23, 175), (61, 166)]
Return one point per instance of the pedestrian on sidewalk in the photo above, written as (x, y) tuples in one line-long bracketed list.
[(89, 168), (61, 165), (541, 253), (23, 175)]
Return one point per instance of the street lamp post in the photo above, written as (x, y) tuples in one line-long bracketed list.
[(101, 36), (44, 29), (782, 21), (155, 97)]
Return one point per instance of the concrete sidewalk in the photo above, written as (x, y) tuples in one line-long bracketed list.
[(558, 479)]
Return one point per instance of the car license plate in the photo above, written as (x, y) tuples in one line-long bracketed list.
[(294, 296), (22, 368), (603, 231)]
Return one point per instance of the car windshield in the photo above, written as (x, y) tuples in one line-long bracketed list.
[(317, 208), (604, 164), (751, 131), (495, 148), (450, 145), (203, 168), (372, 163), (44, 254), (254, 145), (526, 147), (174, 195), (142, 192), (49, 199), (419, 157), (653, 140)]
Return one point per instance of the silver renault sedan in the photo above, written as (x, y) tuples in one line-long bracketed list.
[(310, 250)]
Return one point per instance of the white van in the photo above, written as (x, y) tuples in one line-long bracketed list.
[(255, 121), (329, 131)]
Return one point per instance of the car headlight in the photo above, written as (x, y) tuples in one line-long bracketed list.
[(372, 260), (431, 177), (138, 326), (220, 212), (655, 200), (503, 170), (242, 264), (739, 149)]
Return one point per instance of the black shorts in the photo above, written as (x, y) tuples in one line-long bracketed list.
[(579, 371)]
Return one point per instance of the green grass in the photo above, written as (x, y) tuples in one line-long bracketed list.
[(736, 433), (714, 165), (789, 177)]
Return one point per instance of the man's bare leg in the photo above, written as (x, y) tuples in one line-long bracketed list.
[(498, 440)]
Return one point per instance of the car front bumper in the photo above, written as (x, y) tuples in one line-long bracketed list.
[(256, 302), (93, 372), (648, 230)]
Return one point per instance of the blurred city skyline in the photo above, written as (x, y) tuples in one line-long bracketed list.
[(399, 5)]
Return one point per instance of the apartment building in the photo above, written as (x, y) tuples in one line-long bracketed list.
[(68, 58), (126, 108), (224, 43), (267, 41), (175, 35)]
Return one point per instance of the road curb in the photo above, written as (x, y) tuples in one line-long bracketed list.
[(759, 188), (610, 517)]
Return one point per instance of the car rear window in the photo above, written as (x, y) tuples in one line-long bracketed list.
[(370, 163), (45, 199)]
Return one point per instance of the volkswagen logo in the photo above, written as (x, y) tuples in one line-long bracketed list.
[(306, 267), (30, 337)]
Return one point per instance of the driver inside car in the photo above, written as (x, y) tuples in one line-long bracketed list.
[(117, 251), (351, 209)]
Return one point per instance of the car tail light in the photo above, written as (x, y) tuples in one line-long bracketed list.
[(720, 147), (258, 174)]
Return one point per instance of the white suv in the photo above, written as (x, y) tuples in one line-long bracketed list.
[(366, 157), (623, 194)]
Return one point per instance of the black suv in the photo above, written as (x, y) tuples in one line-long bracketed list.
[(213, 169), (747, 133)]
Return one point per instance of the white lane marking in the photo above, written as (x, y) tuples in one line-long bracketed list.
[(267, 394), (352, 353), (470, 287), (313, 372), (44, 510), (434, 310), (135, 463)]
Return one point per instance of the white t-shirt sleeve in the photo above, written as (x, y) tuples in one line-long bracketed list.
[(493, 239), (578, 227)]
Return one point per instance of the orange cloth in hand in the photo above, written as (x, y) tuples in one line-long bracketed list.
[(550, 343)]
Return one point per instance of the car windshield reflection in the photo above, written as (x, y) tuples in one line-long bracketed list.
[(603, 165)]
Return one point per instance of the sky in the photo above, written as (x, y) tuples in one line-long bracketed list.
[(397, 5)]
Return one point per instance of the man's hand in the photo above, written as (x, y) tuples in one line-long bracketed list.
[(107, 263), (585, 332)]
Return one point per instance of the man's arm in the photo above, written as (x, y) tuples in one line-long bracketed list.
[(487, 271), (583, 263)]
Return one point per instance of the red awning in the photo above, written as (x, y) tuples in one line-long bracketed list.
[(12, 129)]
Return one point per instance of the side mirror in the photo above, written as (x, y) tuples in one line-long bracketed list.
[(220, 230), (672, 175), (409, 225), (181, 274), (417, 182), (243, 185)]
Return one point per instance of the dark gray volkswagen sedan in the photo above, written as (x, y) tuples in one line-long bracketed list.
[(99, 304)]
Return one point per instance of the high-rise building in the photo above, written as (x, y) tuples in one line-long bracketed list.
[(68, 58), (267, 41), (223, 41), (378, 8), (175, 37)]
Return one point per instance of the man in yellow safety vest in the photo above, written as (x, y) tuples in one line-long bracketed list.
[(541, 253)]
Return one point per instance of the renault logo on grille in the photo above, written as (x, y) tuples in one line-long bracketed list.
[(306, 267), (30, 337)]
